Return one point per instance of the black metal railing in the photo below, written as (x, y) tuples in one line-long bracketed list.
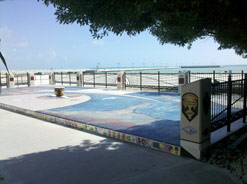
[(139, 80), (228, 102), (3, 80), (21, 79), (216, 77), (41, 78), (99, 79), (158, 81), (65, 78)]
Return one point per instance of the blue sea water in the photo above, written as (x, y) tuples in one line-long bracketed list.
[(221, 69)]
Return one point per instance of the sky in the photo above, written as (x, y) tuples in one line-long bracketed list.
[(31, 38)]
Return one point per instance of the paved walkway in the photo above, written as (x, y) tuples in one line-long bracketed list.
[(38, 152)]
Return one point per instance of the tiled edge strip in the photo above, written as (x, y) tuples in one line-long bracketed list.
[(149, 143)]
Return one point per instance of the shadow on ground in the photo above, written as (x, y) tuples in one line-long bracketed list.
[(108, 162)]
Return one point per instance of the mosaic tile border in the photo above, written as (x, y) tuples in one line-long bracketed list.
[(149, 143)]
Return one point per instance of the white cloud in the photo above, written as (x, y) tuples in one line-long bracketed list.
[(98, 42), (22, 44)]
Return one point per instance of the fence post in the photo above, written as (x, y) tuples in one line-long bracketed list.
[(189, 77), (82, 76), (79, 79), (183, 78), (158, 81), (62, 78), (105, 79), (30, 79), (242, 80), (229, 102), (93, 79), (121, 80), (40, 78), (17, 77), (0, 80), (141, 81), (10, 80), (244, 102), (69, 78), (214, 76)]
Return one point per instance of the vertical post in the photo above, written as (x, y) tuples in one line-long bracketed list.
[(195, 121), (17, 80), (30, 79), (121, 80), (52, 77), (69, 78), (62, 78), (10, 80), (0, 80), (83, 79), (93, 79), (244, 102), (242, 81), (183, 78), (158, 81), (40, 78), (141, 81), (229, 101), (79, 79), (189, 77), (6, 79), (27, 77), (105, 79), (214, 77), (213, 87)]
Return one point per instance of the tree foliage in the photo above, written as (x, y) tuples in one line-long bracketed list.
[(179, 22)]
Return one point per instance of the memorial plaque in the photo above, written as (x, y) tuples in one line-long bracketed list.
[(190, 105)]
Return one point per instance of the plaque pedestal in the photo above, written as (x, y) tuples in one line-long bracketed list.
[(195, 117)]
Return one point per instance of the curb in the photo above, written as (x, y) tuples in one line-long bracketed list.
[(148, 143)]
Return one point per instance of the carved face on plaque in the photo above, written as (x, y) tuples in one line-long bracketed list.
[(190, 105)]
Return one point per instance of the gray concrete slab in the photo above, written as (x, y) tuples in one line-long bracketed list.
[(35, 152)]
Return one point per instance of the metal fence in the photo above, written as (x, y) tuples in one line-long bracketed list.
[(65, 78), (99, 79), (157, 81), (228, 102), (215, 77), (41, 78), (21, 79), (3, 80)]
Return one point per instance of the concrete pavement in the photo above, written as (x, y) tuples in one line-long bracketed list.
[(34, 152)]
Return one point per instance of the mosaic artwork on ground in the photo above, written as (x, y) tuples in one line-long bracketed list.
[(151, 115)]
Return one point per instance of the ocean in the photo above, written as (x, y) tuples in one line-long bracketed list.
[(221, 69), (162, 69)]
